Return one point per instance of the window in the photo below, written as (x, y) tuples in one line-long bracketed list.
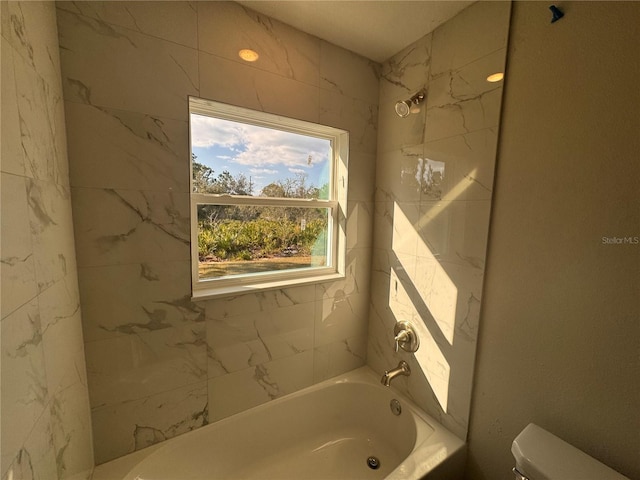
[(268, 200)]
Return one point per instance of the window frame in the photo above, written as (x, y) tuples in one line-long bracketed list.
[(337, 205)]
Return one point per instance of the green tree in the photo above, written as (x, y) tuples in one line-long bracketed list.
[(249, 232), (227, 183), (205, 182), (202, 176), (274, 189), (289, 187)]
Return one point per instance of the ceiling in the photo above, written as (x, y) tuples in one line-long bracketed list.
[(376, 29)]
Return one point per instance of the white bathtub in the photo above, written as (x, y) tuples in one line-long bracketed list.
[(327, 431)]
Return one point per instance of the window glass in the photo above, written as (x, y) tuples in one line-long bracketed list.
[(268, 198), (238, 240), (243, 159)]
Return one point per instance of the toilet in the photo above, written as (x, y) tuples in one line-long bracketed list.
[(540, 455)]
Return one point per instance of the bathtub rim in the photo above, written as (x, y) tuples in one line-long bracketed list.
[(429, 451)]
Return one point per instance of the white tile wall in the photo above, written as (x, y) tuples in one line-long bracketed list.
[(432, 205), (158, 364), (126, 82), (45, 425)]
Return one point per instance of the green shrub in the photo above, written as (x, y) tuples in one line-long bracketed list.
[(257, 238)]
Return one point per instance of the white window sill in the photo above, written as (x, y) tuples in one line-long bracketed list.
[(206, 292)]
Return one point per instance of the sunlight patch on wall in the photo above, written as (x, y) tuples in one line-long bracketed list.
[(404, 233), (434, 366), (419, 282), (435, 288)]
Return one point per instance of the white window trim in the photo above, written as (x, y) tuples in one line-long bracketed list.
[(210, 288)]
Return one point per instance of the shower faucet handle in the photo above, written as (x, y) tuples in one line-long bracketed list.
[(405, 337), (402, 337)]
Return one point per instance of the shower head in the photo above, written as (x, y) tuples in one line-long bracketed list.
[(405, 107)]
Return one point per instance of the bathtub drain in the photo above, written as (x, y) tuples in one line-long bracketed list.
[(373, 463)]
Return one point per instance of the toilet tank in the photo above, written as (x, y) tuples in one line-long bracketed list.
[(540, 455)]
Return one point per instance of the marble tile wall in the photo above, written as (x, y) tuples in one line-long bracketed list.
[(45, 422), (433, 193), (159, 364)]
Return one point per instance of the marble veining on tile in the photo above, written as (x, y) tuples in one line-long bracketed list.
[(127, 226), (182, 363), (406, 72), (126, 150), (167, 20), (137, 298), (339, 357), (348, 74), (226, 27), (478, 31), (51, 226), (41, 120), (31, 31), (253, 386), (358, 116), (261, 90), (46, 427), (156, 68), (130, 426), (432, 206), (243, 341), (18, 269), (24, 384), (131, 367)]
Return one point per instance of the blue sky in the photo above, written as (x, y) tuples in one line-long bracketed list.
[(261, 153)]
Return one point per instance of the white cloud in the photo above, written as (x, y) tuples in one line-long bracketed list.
[(297, 170), (281, 150), (257, 146), (268, 171), (209, 132)]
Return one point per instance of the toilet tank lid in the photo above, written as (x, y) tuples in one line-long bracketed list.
[(540, 455)]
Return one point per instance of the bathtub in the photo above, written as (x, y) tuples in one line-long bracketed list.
[(343, 428)]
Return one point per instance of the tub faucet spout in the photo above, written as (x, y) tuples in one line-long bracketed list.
[(401, 369)]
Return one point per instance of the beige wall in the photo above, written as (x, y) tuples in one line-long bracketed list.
[(560, 336), (158, 364), (46, 427)]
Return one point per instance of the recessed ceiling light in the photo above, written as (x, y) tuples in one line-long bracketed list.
[(495, 77), (248, 55)]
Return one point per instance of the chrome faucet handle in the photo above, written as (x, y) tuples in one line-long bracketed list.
[(406, 337), (518, 475), (401, 338)]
